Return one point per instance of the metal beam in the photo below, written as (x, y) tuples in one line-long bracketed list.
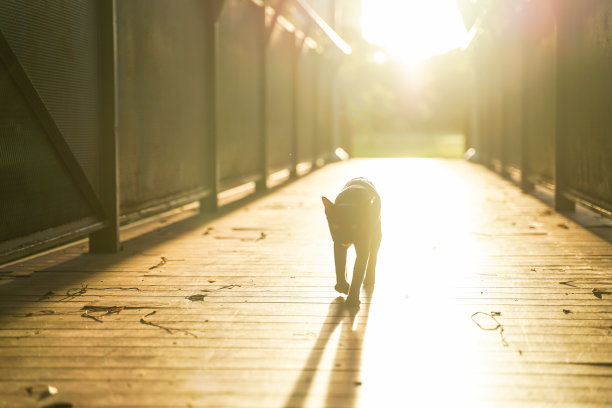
[(320, 22)]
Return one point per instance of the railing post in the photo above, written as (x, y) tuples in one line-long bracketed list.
[(562, 203), (107, 239), (504, 131), (524, 42), (295, 57), (211, 155), (315, 110), (261, 184)]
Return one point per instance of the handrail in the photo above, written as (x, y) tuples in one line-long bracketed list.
[(320, 22)]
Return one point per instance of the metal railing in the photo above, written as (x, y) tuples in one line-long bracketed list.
[(542, 106), (176, 103)]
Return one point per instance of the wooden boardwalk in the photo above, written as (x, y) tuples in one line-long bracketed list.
[(484, 297)]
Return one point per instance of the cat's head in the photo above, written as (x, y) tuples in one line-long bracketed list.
[(344, 221)]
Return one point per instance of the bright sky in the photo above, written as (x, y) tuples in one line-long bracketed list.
[(413, 30)]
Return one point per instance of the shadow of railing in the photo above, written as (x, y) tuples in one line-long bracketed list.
[(596, 223), (70, 266)]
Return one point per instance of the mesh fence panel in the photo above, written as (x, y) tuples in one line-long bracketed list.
[(540, 94), (587, 109), (56, 43), (239, 73), (163, 96), (37, 190), (280, 99), (306, 94)]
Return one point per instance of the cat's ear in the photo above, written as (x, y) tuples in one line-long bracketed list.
[(328, 204)]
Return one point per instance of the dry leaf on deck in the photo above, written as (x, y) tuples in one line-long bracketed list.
[(92, 317), (162, 262), (597, 293), (196, 298), (41, 313)]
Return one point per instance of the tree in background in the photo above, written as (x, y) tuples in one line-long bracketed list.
[(390, 97)]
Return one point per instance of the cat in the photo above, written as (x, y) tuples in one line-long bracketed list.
[(354, 219)]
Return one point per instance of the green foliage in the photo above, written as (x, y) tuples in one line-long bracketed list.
[(405, 144), (392, 97)]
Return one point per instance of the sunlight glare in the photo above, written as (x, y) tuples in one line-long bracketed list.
[(380, 57), (420, 336), (413, 30)]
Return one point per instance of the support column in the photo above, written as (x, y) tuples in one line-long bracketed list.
[(295, 58), (211, 156), (562, 203), (525, 40), (261, 184), (107, 240)]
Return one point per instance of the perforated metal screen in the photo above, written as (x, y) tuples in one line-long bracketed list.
[(512, 102), (56, 42), (37, 191), (239, 93), (307, 93), (162, 99), (200, 102), (324, 107), (540, 95), (280, 99), (587, 114)]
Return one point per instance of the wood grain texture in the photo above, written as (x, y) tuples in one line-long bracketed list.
[(239, 310)]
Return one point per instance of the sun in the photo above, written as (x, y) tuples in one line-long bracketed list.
[(413, 30)]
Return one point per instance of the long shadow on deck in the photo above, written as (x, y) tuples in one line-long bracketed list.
[(137, 242), (347, 359), (597, 224)]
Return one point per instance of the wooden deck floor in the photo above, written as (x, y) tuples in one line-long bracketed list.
[(484, 297)]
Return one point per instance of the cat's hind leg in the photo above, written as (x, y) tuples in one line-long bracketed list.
[(370, 276), (342, 285)]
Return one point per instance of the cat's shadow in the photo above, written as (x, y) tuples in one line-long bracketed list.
[(344, 380)]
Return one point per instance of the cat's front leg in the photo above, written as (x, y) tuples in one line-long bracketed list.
[(362, 254), (370, 276), (342, 285)]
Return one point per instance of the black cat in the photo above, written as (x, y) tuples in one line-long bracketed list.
[(355, 219)]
